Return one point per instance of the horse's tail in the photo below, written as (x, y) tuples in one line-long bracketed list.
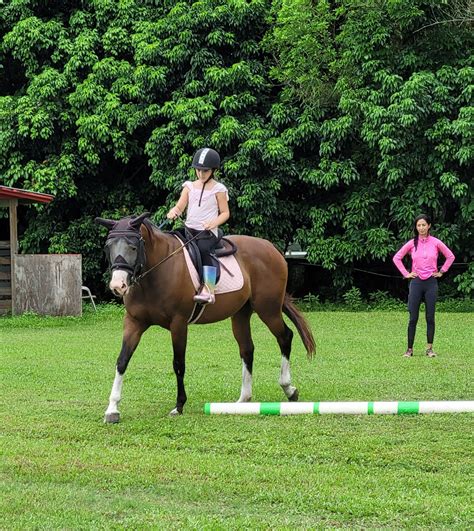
[(296, 317)]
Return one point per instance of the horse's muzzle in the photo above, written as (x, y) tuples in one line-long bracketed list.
[(119, 283)]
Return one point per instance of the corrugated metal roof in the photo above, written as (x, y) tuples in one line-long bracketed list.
[(24, 196)]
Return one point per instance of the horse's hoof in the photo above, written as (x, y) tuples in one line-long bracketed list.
[(112, 418), (175, 412), (294, 397)]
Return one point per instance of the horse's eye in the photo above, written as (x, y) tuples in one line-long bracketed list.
[(133, 247)]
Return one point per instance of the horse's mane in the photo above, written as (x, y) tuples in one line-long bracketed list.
[(150, 227)]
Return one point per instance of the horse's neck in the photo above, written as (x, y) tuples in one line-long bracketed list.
[(158, 245)]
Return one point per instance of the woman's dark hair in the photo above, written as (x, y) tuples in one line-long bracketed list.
[(415, 232)]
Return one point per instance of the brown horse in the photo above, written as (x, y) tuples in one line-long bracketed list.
[(149, 271)]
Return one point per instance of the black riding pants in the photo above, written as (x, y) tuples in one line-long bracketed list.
[(419, 290), (206, 241)]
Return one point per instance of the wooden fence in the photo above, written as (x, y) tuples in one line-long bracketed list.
[(48, 284), (5, 278)]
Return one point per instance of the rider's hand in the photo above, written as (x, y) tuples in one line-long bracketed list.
[(209, 225), (411, 275), (173, 213)]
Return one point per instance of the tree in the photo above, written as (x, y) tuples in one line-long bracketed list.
[(109, 101), (392, 92), (337, 122)]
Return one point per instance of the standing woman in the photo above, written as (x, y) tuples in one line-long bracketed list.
[(424, 250)]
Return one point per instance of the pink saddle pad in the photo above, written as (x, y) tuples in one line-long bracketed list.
[(228, 281)]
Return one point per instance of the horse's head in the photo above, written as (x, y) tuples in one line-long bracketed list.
[(125, 251)]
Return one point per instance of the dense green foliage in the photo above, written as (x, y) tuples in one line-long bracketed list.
[(338, 121), (354, 301), (393, 103), (62, 468)]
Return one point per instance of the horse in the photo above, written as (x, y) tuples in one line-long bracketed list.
[(149, 272)]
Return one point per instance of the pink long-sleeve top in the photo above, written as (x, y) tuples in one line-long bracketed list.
[(425, 258)]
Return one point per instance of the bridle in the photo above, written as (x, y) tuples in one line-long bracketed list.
[(133, 238)]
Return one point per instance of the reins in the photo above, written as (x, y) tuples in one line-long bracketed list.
[(140, 277)]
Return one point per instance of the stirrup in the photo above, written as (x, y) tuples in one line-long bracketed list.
[(205, 296), (204, 299)]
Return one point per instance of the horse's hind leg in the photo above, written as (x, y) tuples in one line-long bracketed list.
[(284, 336), (243, 336), (131, 337)]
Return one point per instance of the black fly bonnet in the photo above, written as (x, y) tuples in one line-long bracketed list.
[(129, 229)]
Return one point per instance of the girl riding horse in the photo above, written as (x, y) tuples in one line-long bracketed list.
[(206, 210)]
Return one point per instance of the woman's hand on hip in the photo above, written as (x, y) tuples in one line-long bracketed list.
[(438, 274), (412, 275)]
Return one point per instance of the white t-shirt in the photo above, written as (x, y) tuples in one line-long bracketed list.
[(197, 215)]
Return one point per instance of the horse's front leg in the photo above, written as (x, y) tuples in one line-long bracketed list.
[(243, 335), (132, 333), (179, 336)]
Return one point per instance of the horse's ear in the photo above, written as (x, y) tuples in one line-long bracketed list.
[(109, 223), (136, 222)]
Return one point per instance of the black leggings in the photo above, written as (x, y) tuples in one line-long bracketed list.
[(206, 243), (419, 289)]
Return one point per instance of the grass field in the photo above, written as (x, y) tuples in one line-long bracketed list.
[(61, 467)]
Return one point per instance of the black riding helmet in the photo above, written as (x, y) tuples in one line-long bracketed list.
[(206, 159)]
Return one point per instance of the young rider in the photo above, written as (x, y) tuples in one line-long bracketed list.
[(424, 250), (207, 206)]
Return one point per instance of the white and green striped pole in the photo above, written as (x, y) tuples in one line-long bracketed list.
[(344, 408)]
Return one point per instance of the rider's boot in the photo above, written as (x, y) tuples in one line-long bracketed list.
[(206, 293)]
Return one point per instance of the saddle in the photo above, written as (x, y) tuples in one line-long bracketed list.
[(224, 247)]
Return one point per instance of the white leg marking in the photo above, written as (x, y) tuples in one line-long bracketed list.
[(115, 394), (285, 378), (246, 390)]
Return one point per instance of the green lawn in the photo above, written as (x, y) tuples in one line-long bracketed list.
[(61, 467)]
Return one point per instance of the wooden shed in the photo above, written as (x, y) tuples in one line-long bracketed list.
[(46, 284)]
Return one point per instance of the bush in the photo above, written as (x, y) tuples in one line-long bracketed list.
[(378, 301), (456, 305), (381, 300), (353, 299)]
